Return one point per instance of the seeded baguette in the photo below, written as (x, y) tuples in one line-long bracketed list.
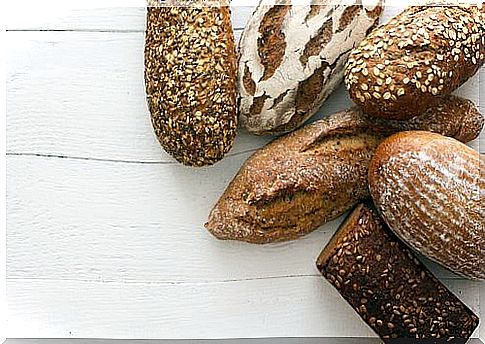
[(293, 57), (315, 174), (190, 79), (406, 65), (388, 287), (429, 190)]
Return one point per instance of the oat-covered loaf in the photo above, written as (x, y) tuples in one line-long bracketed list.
[(292, 58), (429, 190), (406, 65), (190, 79), (392, 291), (315, 174)]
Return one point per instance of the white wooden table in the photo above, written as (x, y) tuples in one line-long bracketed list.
[(105, 232)]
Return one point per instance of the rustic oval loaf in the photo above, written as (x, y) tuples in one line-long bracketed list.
[(406, 65), (190, 79), (292, 58), (429, 190), (313, 175)]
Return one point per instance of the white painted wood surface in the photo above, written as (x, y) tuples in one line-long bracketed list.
[(105, 232)]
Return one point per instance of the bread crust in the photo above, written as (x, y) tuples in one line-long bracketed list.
[(427, 188), (190, 80), (293, 57), (313, 175), (408, 64), (388, 287)]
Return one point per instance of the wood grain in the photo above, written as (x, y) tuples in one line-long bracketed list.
[(104, 230), (85, 104), (308, 306), (94, 16)]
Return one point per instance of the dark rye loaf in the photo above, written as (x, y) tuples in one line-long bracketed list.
[(429, 190), (190, 79), (315, 174), (389, 288), (292, 58), (406, 65)]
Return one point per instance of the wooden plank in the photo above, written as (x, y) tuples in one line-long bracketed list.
[(103, 15), (91, 102), (104, 221), (288, 307), (122, 16), (85, 104)]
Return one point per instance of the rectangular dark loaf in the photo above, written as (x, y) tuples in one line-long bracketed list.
[(390, 289)]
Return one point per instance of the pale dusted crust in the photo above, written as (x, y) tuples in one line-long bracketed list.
[(406, 65), (190, 80), (388, 287), (293, 57), (315, 174), (428, 189)]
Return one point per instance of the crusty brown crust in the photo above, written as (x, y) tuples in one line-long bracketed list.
[(388, 287), (406, 65), (190, 80), (428, 189), (313, 175), (292, 57)]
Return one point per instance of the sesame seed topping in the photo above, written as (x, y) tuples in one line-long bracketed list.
[(175, 55), (431, 50)]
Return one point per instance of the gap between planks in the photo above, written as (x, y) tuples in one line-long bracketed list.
[(121, 161), (235, 280)]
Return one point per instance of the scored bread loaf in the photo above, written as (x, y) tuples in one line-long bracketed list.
[(388, 287), (292, 58), (190, 79), (406, 65), (429, 190), (313, 175)]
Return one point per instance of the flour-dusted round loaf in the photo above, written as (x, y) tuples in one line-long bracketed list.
[(429, 190), (406, 65), (292, 58), (190, 79), (315, 174)]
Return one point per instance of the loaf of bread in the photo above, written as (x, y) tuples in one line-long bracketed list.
[(406, 65), (190, 79), (388, 287), (429, 190), (313, 175), (293, 57)]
